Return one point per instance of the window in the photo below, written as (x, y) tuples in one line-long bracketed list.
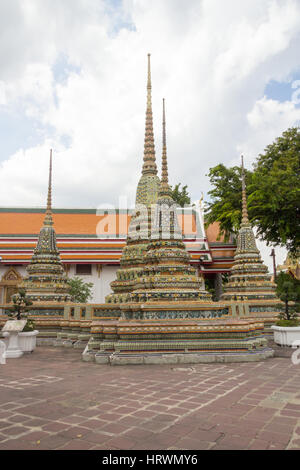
[(83, 269)]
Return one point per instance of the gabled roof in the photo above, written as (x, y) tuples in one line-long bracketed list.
[(98, 236)]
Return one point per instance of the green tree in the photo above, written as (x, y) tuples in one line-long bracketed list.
[(181, 196), (275, 191), (80, 291), (21, 304), (226, 200), (20, 309), (288, 290)]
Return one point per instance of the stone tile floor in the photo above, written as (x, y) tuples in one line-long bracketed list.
[(51, 400)]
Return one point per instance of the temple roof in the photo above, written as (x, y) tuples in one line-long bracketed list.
[(77, 240), (80, 222)]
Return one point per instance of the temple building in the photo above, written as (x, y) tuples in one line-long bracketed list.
[(91, 241)]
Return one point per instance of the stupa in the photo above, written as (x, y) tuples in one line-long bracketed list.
[(167, 274), (139, 229), (249, 278), (167, 317), (46, 280), (250, 291)]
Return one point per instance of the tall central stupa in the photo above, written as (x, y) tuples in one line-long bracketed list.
[(132, 260), (167, 274)]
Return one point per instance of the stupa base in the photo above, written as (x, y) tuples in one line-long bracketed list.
[(119, 359), (175, 342)]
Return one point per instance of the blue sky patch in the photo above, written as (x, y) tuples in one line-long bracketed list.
[(284, 91), (18, 131), (62, 69)]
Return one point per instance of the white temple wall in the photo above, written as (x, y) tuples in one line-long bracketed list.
[(107, 275), (101, 280)]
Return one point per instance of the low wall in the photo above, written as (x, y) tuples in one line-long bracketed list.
[(70, 323)]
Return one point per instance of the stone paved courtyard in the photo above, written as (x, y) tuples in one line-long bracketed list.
[(52, 400)]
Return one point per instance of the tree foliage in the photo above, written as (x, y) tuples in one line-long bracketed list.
[(288, 290), (20, 309), (21, 304), (273, 193), (225, 206), (80, 291), (181, 196)]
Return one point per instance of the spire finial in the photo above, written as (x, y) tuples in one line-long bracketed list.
[(149, 86), (164, 185), (149, 166), (164, 175), (49, 199), (245, 219), (48, 218), (164, 125)]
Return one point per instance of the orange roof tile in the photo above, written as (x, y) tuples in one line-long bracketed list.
[(81, 223)]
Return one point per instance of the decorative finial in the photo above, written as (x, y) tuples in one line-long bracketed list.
[(245, 219), (164, 184), (164, 176), (48, 218), (149, 166), (149, 87)]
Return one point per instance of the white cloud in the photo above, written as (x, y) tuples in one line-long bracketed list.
[(267, 120), (210, 61)]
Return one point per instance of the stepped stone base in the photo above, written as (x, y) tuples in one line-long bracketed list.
[(176, 341), (116, 359)]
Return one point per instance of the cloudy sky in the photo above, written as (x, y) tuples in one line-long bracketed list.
[(73, 77)]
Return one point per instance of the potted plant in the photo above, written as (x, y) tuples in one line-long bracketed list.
[(287, 329), (19, 310)]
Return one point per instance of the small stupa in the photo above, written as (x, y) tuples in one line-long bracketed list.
[(249, 278), (46, 280)]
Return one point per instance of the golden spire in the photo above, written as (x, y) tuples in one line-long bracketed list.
[(245, 219), (164, 183), (149, 166), (48, 218), (164, 173)]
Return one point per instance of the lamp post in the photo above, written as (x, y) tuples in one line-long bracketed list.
[(274, 263)]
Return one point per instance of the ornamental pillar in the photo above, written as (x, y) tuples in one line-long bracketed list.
[(218, 286)]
